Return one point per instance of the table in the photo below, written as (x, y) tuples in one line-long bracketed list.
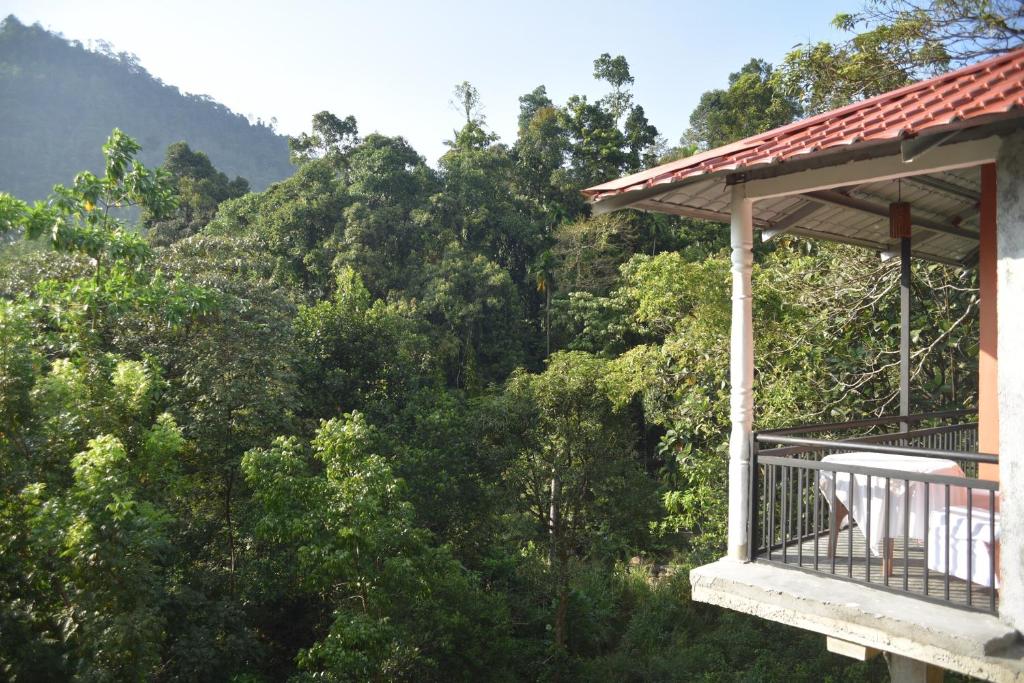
[(857, 502)]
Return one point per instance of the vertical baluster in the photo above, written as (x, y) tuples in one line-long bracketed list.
[(765, 474), (799, 519), (992, 549), (867, 535), (833, 519), (817, 526), (970, 545), (886, 522), (906, 534), (927, 522), (945, 593), (784, 515), (849, 535), (771, 512)]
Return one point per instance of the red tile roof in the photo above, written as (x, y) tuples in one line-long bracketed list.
[(960, 98)]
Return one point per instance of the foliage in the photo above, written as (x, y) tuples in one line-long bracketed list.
[(199, 189), (966, 29), (896, 42), (331, 138), (400, 608), (751, 104)]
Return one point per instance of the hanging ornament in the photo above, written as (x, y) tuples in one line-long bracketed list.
[(899, 216)]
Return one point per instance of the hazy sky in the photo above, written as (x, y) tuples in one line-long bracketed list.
[(393, 64)]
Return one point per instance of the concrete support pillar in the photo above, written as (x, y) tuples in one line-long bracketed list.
[(1010, 303), (906, 670), (741, 373)]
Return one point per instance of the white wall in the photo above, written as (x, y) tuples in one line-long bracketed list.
[(1010, 287)]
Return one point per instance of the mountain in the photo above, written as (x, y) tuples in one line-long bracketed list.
[(59, 102)]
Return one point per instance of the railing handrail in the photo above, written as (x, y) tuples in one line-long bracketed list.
[(873, 422), (872, 438), (898, 475), (868, 447)]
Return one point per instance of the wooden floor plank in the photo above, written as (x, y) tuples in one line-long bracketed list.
[(802, 555)]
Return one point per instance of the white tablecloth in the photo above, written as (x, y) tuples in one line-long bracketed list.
[(974, 540), (901, 501)]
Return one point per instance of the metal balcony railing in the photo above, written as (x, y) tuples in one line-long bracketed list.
[(898, 510)]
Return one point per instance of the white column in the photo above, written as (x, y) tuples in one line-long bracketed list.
[(741, 373), (1010, 333)]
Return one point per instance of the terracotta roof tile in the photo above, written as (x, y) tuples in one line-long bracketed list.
[(992, 87)]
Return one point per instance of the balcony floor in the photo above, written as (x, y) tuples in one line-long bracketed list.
[(803, 555), (971, 642)]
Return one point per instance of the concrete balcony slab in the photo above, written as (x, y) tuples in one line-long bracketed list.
[(972, 643)]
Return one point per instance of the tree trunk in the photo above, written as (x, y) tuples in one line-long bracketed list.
[(562, 606), (547, 320), (559, 560), (554, 519), (228, 487)]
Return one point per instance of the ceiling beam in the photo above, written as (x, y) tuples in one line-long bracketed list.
[(676, 209), (627, 199), (947, 187), (864, 206), (787, 222), (916, 147)]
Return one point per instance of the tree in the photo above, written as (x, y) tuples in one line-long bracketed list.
[(574, 456), (902, 41), (341, 366), (474, 301), (88, 537), (598, 148), (478, 203), (543, 273), (78, 219), (332, 139), (531, 104), (751, 104), (398, 609), (199, 190), (967, 30), (615, 71), (466, 98), (540, 154)]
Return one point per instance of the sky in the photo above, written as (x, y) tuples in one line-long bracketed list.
[(393, 65)]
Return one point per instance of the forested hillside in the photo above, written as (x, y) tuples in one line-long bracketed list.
[(382, 421), (59, 102)]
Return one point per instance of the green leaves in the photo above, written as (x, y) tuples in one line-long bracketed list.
[(396, 601), (753, 103), (78, 219)]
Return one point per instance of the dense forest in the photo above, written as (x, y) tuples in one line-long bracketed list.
[(59, 101), (382, 421)]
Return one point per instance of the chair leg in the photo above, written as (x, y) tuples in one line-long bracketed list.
[(838, 515)]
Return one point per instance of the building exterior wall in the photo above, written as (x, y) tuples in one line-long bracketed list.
[(1010, 284)]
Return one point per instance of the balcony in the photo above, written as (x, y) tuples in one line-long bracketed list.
[(879, 534), (894, 503)]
